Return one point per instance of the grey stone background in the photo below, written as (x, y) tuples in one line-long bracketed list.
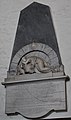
[(9, 15)]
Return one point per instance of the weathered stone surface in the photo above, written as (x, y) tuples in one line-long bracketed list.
[(35, 98), (63, 84), (35, 25)]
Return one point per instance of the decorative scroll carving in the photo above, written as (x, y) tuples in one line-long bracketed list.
[(35, 64)]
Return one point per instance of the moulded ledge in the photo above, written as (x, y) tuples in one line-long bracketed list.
[(33, 78)]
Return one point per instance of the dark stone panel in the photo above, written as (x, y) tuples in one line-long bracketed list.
[(35, 24)]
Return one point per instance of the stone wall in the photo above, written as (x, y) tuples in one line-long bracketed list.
[(9, 15)]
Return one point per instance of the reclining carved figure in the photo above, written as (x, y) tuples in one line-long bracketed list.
[(34, 64)]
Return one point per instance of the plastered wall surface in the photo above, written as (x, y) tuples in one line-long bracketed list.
[(9, 15)]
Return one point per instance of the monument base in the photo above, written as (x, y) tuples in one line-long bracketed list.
[(33, 96)]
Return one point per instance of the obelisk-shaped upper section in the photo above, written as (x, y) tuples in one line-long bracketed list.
[(35, 25)]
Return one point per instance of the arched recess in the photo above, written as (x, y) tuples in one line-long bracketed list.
[(35, 49)]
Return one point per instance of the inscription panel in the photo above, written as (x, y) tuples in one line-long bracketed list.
[(35, 99)]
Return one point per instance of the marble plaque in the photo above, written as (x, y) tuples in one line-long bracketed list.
[(36, 81), (37, 97)]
